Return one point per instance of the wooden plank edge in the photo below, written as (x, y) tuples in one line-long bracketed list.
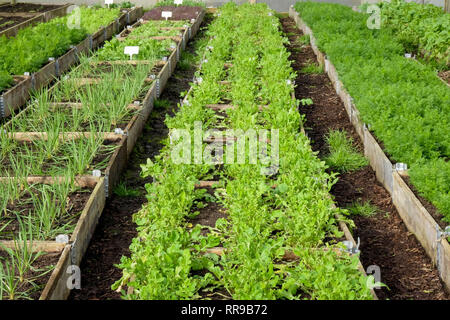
[(87, 222)]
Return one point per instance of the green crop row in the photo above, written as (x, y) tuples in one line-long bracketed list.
[(407, 106), (30, 49), (268, 215), (148, 49), (423, 29), (30, 212)]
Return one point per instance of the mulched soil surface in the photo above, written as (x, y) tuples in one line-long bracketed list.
[(178, 13), (385, 240), (116, 229), (14, 21), (28, 7), (42, 263), (208, 215)]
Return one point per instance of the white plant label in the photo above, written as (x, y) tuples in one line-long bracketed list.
[(131, 51), (62, 238), (178, 2), (109, 2), (166, 14)]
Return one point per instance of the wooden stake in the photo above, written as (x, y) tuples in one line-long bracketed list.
[(206, 184), (34, 246)]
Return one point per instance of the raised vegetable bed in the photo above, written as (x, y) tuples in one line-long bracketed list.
[(16, 96), (416, 217), (217, 230), (22, 15), (130, 121)]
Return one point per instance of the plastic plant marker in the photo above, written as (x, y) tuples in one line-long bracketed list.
[(109, 2), (178, 2), (166, 14), (131, 50)]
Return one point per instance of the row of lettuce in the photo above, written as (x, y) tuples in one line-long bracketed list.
[(405, 103), (31, 212), (31, 48), (271, 208)]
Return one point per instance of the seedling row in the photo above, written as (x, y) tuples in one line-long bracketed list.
[(64, 152)]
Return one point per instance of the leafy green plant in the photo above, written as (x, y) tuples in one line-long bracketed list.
[(161, 104), (364, 209), (343, 157)]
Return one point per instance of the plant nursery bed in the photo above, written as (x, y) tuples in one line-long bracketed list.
[(13, 98), (246, 191), (417, 220), (59, 158), (16, 17), (116, 228), (110, 158), (28, 8), (59, 256), (178, 13)]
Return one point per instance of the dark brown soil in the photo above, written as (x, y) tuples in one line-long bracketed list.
[(209, 214), (116, 229), (28, 7), (75, 205), (42, 265), (385, 241), (6, 23), (178, 13)]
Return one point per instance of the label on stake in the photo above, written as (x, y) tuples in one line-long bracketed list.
[(131, 50), (109, 2), (166, 14), (178, 2)]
